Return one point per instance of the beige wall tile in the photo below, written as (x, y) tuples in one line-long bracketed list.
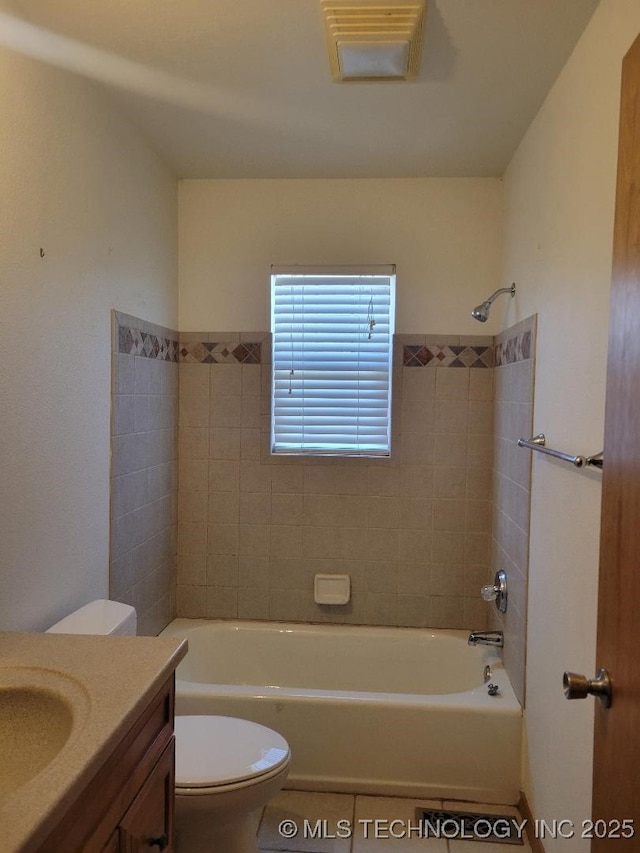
[(449, 514), (287, 509), (480, 450), (414, 578), (449, 481), (286, 541), (251, 385), (447, 612), (479, 483), (417, 480), (193, 506), (253, 603), (224, 475), (450, 450), (414, 611), (225, 380), (193, 443), (224, 411), (250, 444), (222, 539), (417, 448), (416, 513), (221, 603), (192, 570), (253, 572), (192, 538), (255, 508), (481, 384), (447, 547), (478, 516), (250, 413), (418, 385), (191, 601), (254, 540), (255, 477), (451, 416), (452, 383), (224, 508), (193, 379), (481, 417), (414, 546), (193, 411), (447, 579), (224, 443), (383, 480), (222, 570)]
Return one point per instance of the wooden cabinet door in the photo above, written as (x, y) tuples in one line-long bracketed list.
[(148, 823)]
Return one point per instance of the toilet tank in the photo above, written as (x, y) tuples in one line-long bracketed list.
[(99, 617)]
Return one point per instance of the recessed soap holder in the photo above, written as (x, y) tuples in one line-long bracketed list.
[(497, 592), (331, 589)]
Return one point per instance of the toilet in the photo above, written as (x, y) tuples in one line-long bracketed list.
[(227, 769)]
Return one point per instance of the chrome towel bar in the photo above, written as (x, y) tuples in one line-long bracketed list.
[(538, 442)]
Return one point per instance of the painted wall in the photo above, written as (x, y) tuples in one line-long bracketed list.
[(560, 190), (444, 235), (78, 183)]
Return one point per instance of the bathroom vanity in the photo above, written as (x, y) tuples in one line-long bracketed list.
[(89, 721)]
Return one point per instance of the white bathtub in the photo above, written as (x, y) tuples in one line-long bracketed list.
[(396, 711)]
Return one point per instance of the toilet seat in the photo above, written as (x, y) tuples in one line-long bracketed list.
[(214, 751)]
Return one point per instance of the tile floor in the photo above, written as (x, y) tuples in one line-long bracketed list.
[(335, 815)]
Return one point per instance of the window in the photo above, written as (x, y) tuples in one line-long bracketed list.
[(332, 350)]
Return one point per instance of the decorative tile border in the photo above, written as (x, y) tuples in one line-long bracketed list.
[(447, 356), (132, 341), (204, 352), (516, 344)]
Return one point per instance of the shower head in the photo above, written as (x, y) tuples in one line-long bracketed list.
[(481, 312)]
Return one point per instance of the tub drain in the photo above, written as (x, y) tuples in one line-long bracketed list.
[(470, 826)]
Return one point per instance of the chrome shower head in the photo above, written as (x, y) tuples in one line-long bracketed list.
[(481, 312)]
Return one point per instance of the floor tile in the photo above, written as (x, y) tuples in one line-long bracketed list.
[(316, 817), (393, 831)]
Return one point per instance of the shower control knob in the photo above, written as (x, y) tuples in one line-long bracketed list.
[(497, 592), (579, 686)]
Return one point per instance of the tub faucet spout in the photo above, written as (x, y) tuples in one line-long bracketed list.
[(486, 638)]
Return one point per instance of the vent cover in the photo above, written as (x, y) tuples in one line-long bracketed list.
[(374, 39)]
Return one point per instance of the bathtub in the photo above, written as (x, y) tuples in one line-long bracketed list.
[(392, 711)]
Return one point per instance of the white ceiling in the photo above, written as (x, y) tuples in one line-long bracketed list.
[(242, 88)]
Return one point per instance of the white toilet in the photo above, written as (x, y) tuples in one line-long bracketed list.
[(227, 769)]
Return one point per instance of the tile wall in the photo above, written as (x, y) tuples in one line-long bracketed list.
[(144, 470), (513, 407), (412, 531)]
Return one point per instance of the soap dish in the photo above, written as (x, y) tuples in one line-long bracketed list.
[(332, 589)]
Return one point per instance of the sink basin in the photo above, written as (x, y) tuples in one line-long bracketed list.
[(39, 710)]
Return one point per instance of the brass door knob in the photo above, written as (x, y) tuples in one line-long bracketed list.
[(579, 686)]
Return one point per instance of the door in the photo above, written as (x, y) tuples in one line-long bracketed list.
[(616, 791)]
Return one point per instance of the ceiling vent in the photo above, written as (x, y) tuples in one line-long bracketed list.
[(374, 39)]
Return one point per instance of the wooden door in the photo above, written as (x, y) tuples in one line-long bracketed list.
[(616, 792)]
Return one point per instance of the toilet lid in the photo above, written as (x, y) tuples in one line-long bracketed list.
[(220, 750)]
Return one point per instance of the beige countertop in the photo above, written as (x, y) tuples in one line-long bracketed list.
[(107, 682)]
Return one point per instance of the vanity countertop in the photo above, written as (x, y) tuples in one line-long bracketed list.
[(107, 682)]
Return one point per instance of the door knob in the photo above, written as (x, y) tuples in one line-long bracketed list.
[(579, 686)]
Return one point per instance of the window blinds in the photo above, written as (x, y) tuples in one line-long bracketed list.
[(332, 359)]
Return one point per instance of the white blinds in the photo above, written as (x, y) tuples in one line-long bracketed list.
[(332, 350)]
